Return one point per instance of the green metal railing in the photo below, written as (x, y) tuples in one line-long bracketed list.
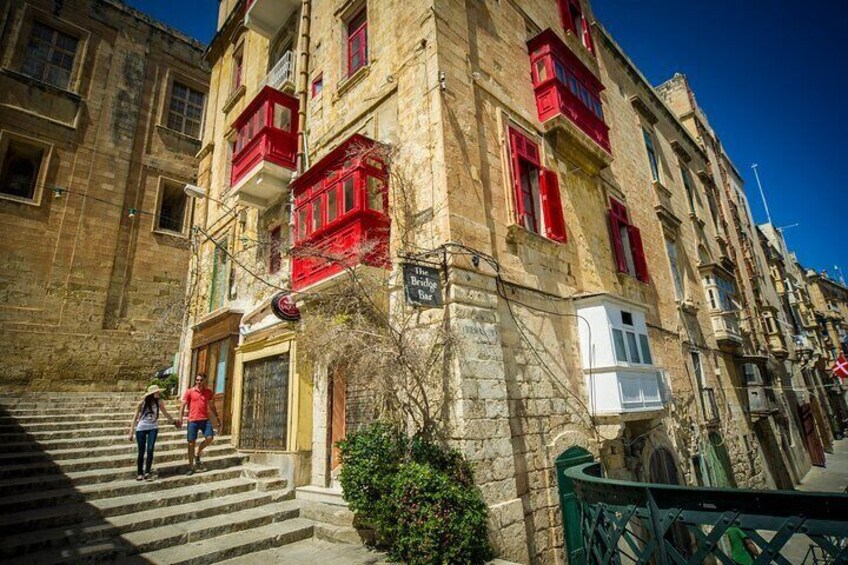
[(627, 522)]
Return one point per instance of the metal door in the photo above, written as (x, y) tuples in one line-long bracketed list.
[(264, 404)]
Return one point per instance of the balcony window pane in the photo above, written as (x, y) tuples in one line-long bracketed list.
[(561, 72), (349, 194), (282, 117), (375, 194), (632, 348), (618, 340), (541, 70), (316, 214), (302, 221), (646, 350), (332, 205), (631, 392)]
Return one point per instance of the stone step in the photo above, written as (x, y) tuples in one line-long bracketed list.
[(230, 545), (60, 426), (107, 475), (28, 411), (23, 421), (153, 517), (174, 452), (71, 406), (124, 449), (125, 487), (115, 430), (52, 516), (166, 436), (188, 534)]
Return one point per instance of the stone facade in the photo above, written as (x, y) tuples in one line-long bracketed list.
[(447, 83), (92, 294)]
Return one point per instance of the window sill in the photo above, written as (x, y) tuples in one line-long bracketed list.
[(169, 233), (348, 83), (234, 97), (517, 234), (178, 134), (36, 201), (21, 77)]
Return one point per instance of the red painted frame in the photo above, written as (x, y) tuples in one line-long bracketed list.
[(555, 97), (257, 138), (618, 218), (358, 235)]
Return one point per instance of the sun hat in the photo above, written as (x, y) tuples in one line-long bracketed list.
[(152, 389)]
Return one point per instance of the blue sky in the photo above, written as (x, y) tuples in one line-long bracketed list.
[(769, 74)]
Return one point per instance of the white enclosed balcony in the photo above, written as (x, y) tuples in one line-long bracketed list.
[(618, 366), (266, 17), (726, 328)]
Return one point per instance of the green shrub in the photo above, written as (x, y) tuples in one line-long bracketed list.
[(169, 384), (417, 495)]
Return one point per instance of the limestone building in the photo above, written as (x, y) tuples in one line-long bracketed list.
[(601, 278), (100, 115)]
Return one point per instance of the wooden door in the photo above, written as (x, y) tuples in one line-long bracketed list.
[(336, 413), (811, 438)]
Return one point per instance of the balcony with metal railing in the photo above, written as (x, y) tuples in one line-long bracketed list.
[(281, 75), (614, 521), (266, 17), (726, 328)]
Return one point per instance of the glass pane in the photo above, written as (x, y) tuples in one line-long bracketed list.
[(332, 205), (631, 392), (646, 350), (618, 340), (302, 221), (282, 117), (541, 70), (634, 351), (349, 194), (316, 214), (221, 369), (375, 194)]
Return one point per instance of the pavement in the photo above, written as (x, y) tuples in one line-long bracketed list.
[(313, 551), (834, 476)]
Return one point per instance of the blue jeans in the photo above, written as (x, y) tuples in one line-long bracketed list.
[(146, 442), (202, 426)]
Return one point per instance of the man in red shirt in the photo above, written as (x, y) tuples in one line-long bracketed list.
[(198, 400)]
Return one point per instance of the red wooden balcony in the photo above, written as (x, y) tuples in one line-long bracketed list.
[(568, 97), (341, 214), (265, 148), (266, 17)]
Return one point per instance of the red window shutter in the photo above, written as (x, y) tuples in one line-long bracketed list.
[(552, 206), (617, 247), (638, 253), (516, 146)]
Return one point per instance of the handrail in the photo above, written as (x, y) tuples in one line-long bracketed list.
[(672, 522), (281, 72)]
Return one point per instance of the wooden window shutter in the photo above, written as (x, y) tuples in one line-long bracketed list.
[(617, 247), (638, 253), (552, 206), (587, 37), (516, 150)]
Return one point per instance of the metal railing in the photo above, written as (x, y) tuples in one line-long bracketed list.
[(628, 522), (282, 72)]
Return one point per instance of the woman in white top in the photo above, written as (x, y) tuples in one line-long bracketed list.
[(145, 424)]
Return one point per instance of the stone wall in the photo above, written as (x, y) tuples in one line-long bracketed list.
[(91, 297)]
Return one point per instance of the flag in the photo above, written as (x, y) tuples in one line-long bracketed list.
[(840, 368)]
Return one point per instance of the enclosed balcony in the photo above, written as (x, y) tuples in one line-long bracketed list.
[(618, 366), (266, 17), (341, 213), (265, 148), (568, 101), (726, 328)]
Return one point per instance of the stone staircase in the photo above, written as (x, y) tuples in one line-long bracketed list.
[(68, 492)]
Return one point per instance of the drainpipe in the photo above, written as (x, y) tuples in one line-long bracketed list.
[(302, 83)]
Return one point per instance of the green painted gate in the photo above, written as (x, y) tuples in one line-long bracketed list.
[(571, 457)]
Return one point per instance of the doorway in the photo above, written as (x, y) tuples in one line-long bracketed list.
[(264, 404), (811, 437), (336, 428), (663, 470)]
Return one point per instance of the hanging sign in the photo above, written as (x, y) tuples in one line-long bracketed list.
[(284, 307), (423, 285)]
